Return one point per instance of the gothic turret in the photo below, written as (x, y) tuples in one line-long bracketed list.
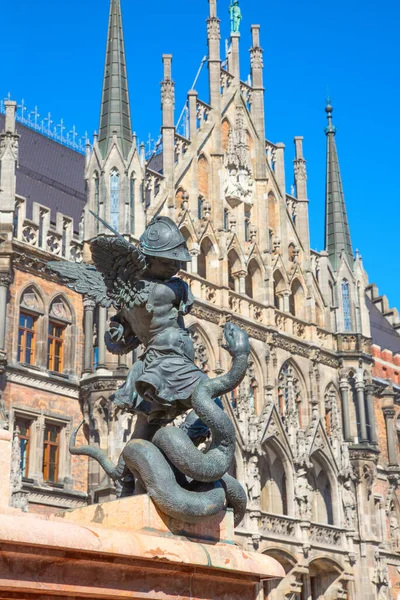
[(114, 171), (337, 233), (115, 118)]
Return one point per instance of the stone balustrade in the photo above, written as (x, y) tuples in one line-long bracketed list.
[(181, 147), (326, 535), (279, 526), (258, 312), (226, 80), (203, 111)]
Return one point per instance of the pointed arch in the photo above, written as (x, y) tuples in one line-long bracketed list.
[(346, 305), (205, 258), (30, 324), (234, 266), (114, 198), (273, 214), (292, 393), (276, 472), (325, 508), (225, 129), (279, 286), (203, 176), (254, 280), (297, 299), (324, 576), (61, 335)]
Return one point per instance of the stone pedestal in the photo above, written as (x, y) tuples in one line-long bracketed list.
[(127, 549)]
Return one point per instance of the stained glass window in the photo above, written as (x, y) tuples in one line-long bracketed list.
[(346, 305), (114, 199), (132, 202)]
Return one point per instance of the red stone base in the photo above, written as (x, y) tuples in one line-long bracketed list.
[(126, 549)]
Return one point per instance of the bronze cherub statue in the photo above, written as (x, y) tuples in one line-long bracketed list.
[(164, 382)]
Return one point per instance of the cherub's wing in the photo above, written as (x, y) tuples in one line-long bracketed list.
[(82, 278), (120, 262)]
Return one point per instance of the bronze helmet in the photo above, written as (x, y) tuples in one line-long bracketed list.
[(162, 238)]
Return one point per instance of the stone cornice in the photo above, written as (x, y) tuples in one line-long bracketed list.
[(265, 333), (42, 381)]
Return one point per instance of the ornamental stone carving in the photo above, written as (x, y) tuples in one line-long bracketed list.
[(349, 505), (253, 482), (213, 29), (256, 58), (167, 92), (303, 494), (239, 183)]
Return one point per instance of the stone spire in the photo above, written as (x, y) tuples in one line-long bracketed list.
[(337, 233), (115, 115)]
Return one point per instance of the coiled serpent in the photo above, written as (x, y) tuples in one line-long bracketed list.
[(184, 482)]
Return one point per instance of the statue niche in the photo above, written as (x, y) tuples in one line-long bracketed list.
[(238, 181)]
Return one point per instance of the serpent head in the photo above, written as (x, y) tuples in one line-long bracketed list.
[(237, 340)]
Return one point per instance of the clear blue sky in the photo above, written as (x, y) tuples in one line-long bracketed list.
[(53, 57)]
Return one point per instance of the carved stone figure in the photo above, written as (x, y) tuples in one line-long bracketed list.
[(239, 184), (394, 528), (151, 302), (253, 482), (236, 16), (349, 504), (303, 494)]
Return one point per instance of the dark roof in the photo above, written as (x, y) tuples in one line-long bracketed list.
[(156, 162), (49, 173), (382, 332)]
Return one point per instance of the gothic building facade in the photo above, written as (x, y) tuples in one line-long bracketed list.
[(318, 414)]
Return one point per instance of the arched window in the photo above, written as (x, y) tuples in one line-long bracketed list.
[(254, 280), (132, 194), (114, 199), (233, 267), (322, 509), (278, 286), (346, 305), (225, 128), (59, 335), (96, 186), (203, 176), (296, 300), (359, 324), (203, 260), (273, 213), (274, 497), (31, 311)]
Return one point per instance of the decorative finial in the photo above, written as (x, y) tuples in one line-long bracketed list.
[(329, 110)]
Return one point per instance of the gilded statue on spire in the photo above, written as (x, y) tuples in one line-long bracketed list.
[(236, 16)]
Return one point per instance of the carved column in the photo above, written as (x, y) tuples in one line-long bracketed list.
[(242, 281), (89, 306), (389, 413), (5, 280), (361, 410), (344, 392), (286, 302), (101, 330), (371, 413)]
